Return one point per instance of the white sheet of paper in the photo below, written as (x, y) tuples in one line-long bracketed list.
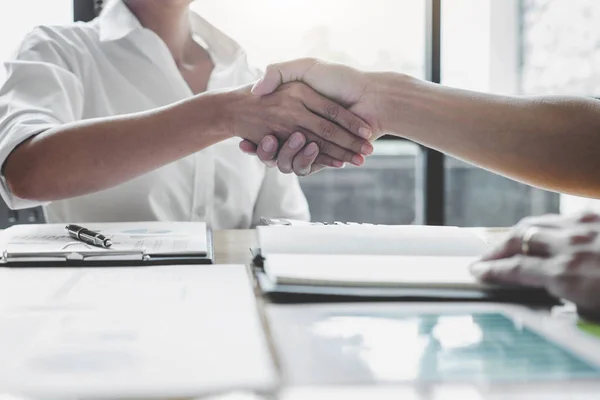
[(154, 237), (380, 271), (379, 239), (176, 331)]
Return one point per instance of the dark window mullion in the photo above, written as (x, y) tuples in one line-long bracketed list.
[(83, 10), (430, 169)]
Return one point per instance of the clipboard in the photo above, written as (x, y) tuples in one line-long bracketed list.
[(79, 254)]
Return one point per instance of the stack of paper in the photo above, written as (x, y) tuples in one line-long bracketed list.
[(404, 240), (381, 256), (380, 271), (160, 332)]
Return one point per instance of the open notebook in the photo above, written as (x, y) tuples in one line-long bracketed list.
[(372, 261)]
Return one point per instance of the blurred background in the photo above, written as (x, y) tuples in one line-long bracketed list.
[(502, 46)]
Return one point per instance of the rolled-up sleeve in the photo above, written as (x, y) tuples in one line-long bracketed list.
[(41, 92), (280, 197)]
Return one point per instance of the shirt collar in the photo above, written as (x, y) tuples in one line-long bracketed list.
[(117, 21)]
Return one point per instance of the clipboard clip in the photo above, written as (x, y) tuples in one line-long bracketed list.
[(84, 253)]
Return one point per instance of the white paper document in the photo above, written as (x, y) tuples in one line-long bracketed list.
[(170, 332), (379, 240), (150, 238), (371, 256), (374, 271)]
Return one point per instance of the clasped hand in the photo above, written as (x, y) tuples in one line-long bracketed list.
[(296, 114), (352, 90)]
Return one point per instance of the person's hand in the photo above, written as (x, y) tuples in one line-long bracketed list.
[(349, 87), (296, 114), (559, 253)]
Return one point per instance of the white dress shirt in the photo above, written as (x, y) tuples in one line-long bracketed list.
[(114, 66)]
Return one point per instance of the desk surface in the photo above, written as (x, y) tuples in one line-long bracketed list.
[(233, 246)]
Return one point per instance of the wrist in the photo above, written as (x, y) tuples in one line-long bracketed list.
[(394, 95), (207, 115)]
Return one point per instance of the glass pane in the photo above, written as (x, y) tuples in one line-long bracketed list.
[(374, 35), (18, 18), (515, 47), (382, 191)]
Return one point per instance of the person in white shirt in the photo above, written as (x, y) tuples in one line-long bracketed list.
[(132, 117)]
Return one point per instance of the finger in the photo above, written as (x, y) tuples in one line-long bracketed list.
[(303, 162), (292, 148), (589, 217), (327, 111), (513, 244), (581, 237), (518, 270), (278, 74), (577, 279), (328, 161), (333, 150), (267, 150), (248, 147), (542, 242), (300, 159), (339, 115)]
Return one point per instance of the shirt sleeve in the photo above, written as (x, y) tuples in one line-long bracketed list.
[(40, 92), (280, 196)]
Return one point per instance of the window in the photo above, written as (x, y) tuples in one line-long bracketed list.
[(561, 56), (21, 16), (374, 35), (502, 46), (514, 47)]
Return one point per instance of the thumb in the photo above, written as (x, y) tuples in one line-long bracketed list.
[(248, 147), (278, 74)]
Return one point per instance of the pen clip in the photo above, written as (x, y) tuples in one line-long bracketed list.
[(77, 244)]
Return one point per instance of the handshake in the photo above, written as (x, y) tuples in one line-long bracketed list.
[(309, 115)]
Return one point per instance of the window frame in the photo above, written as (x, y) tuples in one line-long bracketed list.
[(84, 10), (430, 173)]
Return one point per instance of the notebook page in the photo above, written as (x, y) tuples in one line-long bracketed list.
[(379, 240), (369, 270)]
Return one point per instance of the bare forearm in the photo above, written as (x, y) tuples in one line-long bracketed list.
[(550, 142), (88, 156)]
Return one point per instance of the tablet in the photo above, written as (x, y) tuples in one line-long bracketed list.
[(430, 343)]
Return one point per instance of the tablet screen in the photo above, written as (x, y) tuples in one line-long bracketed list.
[(431, 347)]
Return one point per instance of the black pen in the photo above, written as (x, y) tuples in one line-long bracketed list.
[(88, 236)]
